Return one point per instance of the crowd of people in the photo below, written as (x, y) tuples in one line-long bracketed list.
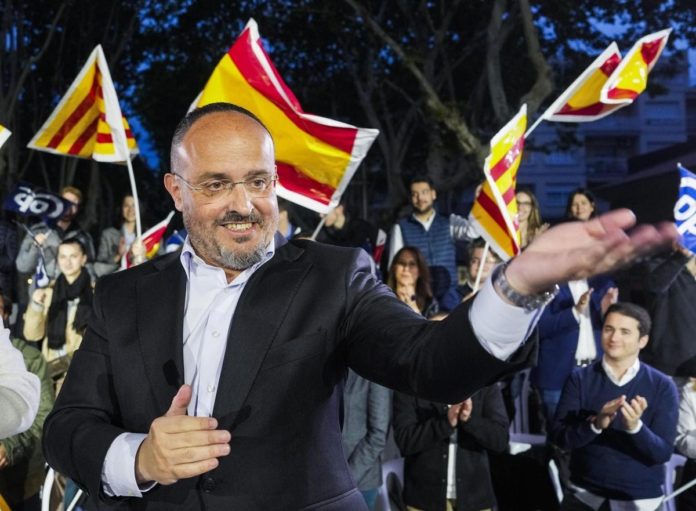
[(608, 377)]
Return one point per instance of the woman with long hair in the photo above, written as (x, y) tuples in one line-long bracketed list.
[(582, 205), (528, 216), (409, 278)]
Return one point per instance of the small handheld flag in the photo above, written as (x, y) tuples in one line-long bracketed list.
[(494, 213), (25, 201), (685, 208), (4, 135)]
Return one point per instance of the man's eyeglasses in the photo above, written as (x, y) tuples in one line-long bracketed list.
[(255, 186)]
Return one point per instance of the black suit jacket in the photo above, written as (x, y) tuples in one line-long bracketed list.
[(304, 317)]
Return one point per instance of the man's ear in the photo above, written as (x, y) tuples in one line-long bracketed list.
[(643, 341), (434, 192), (173, 186)]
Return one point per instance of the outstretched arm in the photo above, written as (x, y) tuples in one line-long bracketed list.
[(578, 250)]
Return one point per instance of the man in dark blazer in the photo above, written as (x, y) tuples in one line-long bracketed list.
[(212, 379)]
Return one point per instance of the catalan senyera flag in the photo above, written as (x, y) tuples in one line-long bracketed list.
[(630, 77), (581, 102), (88, 118), (494, 214), (152, 239), (316, 156), (4, 135)]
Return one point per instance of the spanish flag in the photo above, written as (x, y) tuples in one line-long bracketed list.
[(631, 76), (609, 83), (4, 135), (316, 156), (581, 102), (494, 214), (87, 122)]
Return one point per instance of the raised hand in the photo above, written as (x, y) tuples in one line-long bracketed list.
[(178, 446), (632, 411), (609, 298), (608, 412), (465, 410), (578, 250), (453, 414)]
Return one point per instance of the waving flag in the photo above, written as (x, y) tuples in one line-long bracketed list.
[(316, 156), (631, 76), (494, 214), (88, 118), (581, 102), (608, 84), (4, 135), (151, 238), (26, 201), (685, 208)]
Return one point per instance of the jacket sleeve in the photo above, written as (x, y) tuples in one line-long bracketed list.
[(686, 425), (661, 276), (491, 428), (369, 448), (28, 255), (20, 447), (413, 434), (442, 361)]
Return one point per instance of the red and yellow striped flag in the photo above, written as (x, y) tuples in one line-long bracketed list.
[(609, 83), (4, 135), (581, 102), (494, 214), (631, 76), (316, 156), (87, 122)]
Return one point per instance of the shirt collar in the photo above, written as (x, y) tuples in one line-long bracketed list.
[(192, 262), (627, 377)]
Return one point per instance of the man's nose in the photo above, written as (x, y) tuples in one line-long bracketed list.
[(239, 200)]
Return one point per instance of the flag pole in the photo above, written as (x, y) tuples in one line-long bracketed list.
[(134, 191), (484, 256), (319, 227), (536, 123)]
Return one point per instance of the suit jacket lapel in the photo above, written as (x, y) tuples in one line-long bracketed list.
[(160, 320), (259, 314)]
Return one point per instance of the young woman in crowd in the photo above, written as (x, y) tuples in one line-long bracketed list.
[(529, 216), (409, 278), (57, 316), (114, 243), (581, 205)]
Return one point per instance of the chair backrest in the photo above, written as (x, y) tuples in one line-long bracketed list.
[(392, 478), (677, 460)]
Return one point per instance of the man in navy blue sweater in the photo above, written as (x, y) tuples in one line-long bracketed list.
[(618, 417)]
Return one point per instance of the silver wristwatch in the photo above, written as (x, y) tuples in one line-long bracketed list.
[(527, 302)]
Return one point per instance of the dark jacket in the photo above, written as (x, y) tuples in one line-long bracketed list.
[(672, 304), (303, 318), (422, 432)]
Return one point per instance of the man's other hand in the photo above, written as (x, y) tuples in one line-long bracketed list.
[(178, 446), (578, 250)]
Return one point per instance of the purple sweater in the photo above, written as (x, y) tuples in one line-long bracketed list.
[(616, 464)]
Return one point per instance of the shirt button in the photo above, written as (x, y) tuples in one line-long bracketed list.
[(211, 388), (216, 333)]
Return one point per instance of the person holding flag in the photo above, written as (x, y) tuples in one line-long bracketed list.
[(42, 239), (114, 243), (212, 378)]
